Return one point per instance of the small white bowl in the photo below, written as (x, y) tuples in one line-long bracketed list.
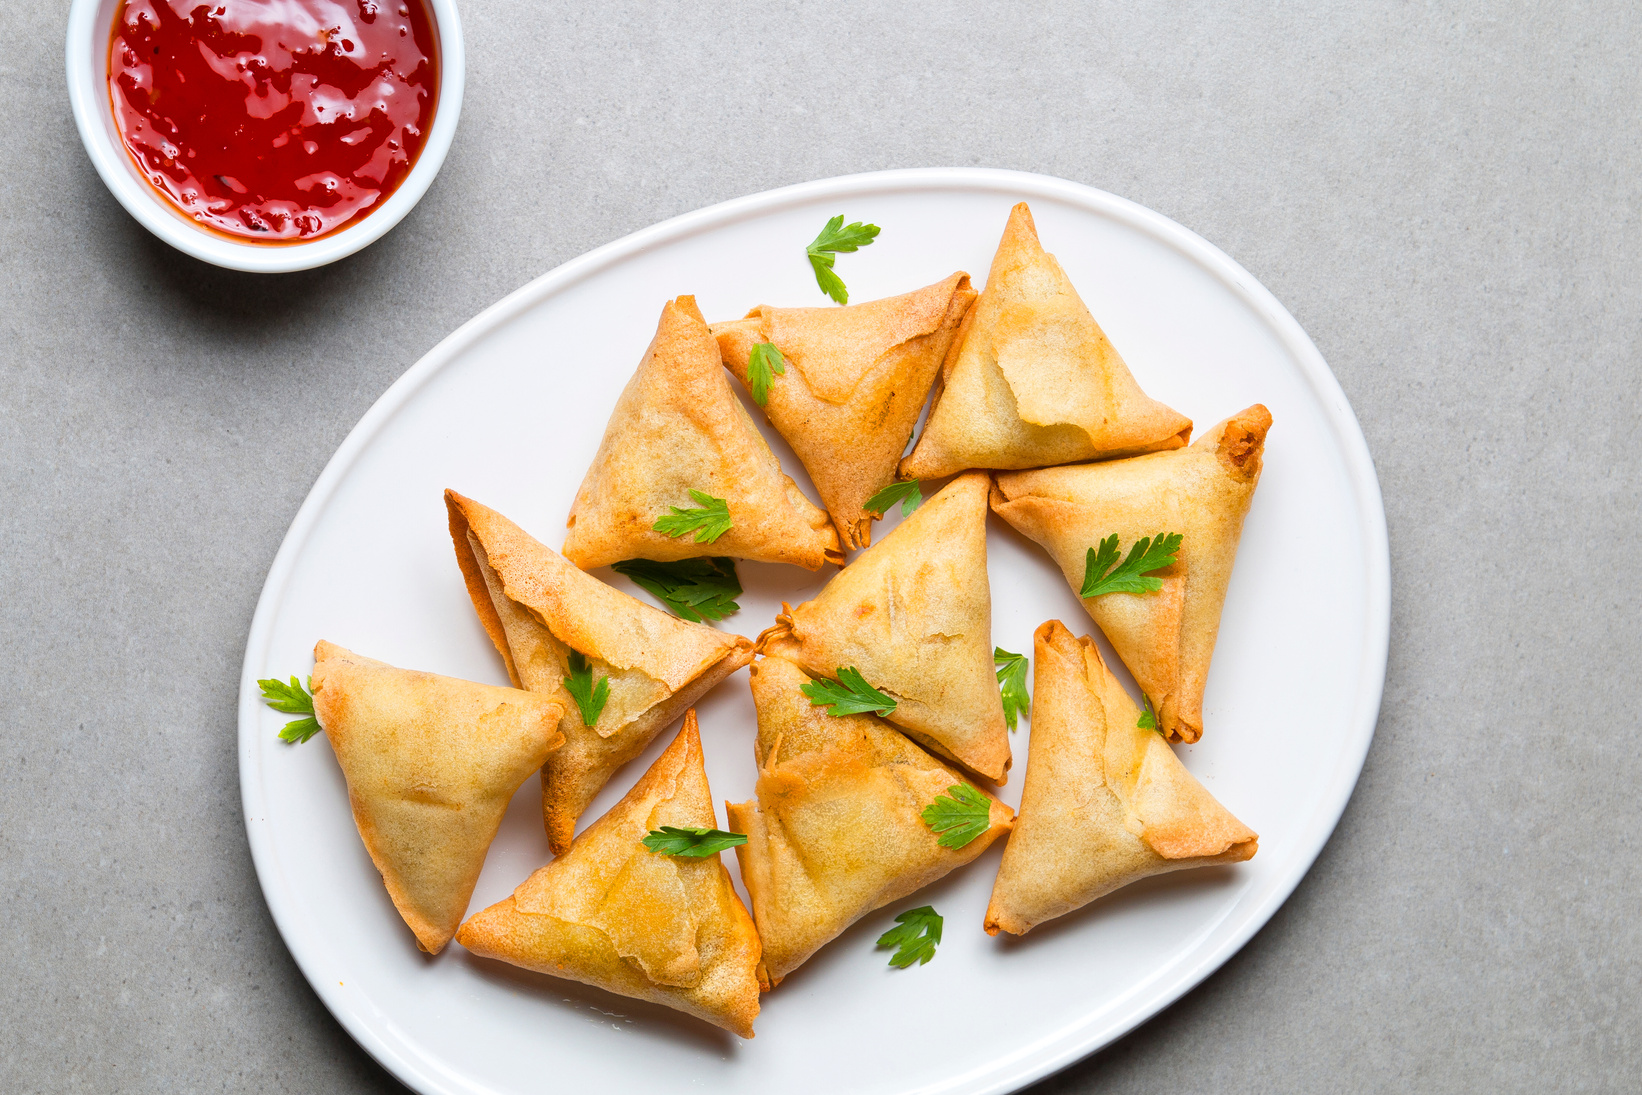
[(90, 28)]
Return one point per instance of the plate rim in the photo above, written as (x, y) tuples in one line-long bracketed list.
[(1031, 1063)]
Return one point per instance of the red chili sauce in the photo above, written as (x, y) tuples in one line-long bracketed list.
[(274, 120)]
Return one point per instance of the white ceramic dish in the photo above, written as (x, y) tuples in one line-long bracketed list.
[(90, 29), (510, 409)]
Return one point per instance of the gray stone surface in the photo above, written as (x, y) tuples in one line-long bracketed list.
[(1445, 195)]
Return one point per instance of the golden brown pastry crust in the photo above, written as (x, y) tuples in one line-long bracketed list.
[(1165, 638), (431, 763), (835, 831), (857, 378), (914, 615), (1105, 802), (613, 914), (537, 607), (678, 427), (1032, 380)]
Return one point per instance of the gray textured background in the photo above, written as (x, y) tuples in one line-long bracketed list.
[(1446, 196)]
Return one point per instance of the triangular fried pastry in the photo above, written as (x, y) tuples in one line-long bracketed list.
[(836, 831), (1032, 380), (1105, 803), (856, 379), (613, 914), (1166, 637), (538, 609), (679, 428), (431, 763), (914, 614)]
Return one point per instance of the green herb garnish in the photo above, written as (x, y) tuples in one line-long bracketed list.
[(698, 589), (1011, 683), (850, 694), (1149, 553), (837, 237), (590, 697), (1148, 717), (691, 843), (763, 367), (906, 492), (916, 937), (959, 816), (709, 522), (292, 699)]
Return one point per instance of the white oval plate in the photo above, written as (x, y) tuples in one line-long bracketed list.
[(510, 408)]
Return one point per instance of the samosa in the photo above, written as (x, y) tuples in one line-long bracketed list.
[(855, 381), (541, 612), (681, 452), (614, 914), (914, 615), (836, 830), (1033, 380), (431, 763), (1166, 637), (1106, 801)]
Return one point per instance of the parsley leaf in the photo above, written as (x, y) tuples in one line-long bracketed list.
[(834, 238), (850, 694), (1148, 554), (959, 816), (1148, 717), (1012, 683), (766, 360), (292, 699), (694, 589), (590, 698), (300, 731), (916, 937), (709, 522), (691, 843), (907, 493)]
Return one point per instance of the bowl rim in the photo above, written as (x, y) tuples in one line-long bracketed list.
[(90, 25)]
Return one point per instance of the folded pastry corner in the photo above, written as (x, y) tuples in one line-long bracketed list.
[(855, 382), (1033, 380), (913, 614), (540, 611), (1166, 637), (679, 428), (430, 763), (1105, 801), (613, 914), (835, 830)]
